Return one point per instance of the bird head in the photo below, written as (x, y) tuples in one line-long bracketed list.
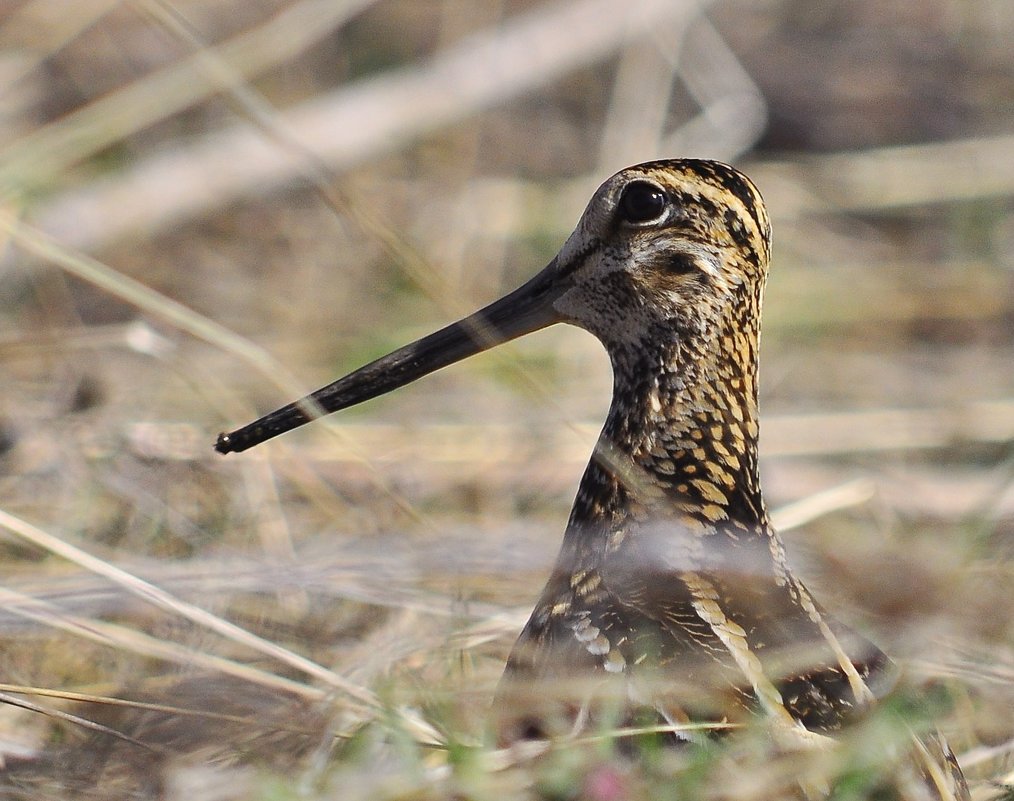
[(667, 253)]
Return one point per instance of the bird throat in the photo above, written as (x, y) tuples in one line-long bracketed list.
[(679, 441)]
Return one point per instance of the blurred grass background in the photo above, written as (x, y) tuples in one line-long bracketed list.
[(212, 206)]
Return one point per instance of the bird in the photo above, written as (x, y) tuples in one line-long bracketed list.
[(671, 578)]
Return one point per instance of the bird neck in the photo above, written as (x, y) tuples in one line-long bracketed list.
[(680, 438)]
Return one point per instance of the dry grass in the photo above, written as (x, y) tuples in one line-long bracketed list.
[(211, 206)]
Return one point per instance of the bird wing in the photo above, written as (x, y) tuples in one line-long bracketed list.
[(743, 609)]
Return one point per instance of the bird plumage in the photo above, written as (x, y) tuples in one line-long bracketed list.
[(670, 579), (669, 556)]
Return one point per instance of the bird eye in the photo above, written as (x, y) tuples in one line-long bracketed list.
[(642, 202), (681, 264)]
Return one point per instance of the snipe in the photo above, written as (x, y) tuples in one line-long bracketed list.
[(671, 578)]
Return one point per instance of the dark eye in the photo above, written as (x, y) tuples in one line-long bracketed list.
[(642, 202), (681, 264)]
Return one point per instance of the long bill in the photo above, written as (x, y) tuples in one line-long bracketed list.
[(526, 309)]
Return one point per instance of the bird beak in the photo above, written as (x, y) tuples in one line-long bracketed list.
[(526, 309)]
